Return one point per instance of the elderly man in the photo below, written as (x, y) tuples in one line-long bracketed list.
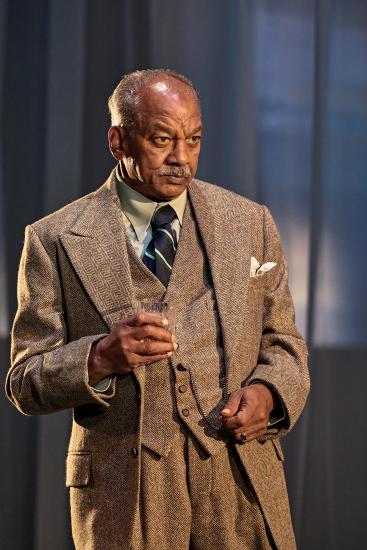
[(175, 438)]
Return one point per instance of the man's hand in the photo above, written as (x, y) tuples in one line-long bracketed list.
[(246, 414), (141, 338)]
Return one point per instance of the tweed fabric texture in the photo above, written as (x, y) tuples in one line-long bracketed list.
[(182, 503), (169, 391), (75, 284), (159, 418), (199, 335)]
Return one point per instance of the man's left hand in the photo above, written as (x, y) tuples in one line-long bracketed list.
[(246, 414)]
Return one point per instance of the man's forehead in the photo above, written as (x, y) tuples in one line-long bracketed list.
[(166, 96)]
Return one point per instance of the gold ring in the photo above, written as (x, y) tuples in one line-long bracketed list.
[(243, 436)]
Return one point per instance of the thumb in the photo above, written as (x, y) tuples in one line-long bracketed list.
[(232, 405)]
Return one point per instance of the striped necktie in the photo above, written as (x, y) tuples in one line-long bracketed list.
[(161, 250)]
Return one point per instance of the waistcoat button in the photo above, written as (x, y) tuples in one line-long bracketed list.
[(181, 367), (182, 388), (185, 412), (134, 452)]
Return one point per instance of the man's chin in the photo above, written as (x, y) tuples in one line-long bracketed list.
[(176, 180), (170, 187)]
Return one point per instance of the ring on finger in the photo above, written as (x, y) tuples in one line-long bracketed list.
[(243, 436)]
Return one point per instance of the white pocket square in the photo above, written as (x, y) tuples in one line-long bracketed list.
[(256, 270)]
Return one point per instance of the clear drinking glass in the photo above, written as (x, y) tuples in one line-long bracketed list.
[(166, 309)]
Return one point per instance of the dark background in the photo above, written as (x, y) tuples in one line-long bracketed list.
[(283, 86)]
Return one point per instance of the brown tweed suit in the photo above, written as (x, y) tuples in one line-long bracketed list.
[(74, 284)]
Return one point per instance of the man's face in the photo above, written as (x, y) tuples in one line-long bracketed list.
[(166, 140)]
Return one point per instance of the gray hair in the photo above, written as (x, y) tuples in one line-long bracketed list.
[(123, 102)]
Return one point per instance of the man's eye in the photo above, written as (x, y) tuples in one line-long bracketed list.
[(161, 140), (193, 140)]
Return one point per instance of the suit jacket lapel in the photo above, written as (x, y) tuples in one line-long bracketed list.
[(96, 246), (221, 229)]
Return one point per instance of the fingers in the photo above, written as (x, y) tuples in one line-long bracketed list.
[(255, 428), (141, 338), (243, 436), (152, 332), (239, 420), (250, 429), (232, 406), (152, 348), (145, 318), (151, 340), (246, 414), (145, 335)]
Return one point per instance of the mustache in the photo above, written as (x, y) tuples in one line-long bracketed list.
[(177, 171)]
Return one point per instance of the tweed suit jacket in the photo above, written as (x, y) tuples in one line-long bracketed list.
[(74, 285)]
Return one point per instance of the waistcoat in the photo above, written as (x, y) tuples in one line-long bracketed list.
[(190, 387)]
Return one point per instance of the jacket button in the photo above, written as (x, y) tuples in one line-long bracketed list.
[(181, 367), (134, 452), (185, 412), (182, 388)]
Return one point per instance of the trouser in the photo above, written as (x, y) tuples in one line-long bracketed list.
[(189, 501)]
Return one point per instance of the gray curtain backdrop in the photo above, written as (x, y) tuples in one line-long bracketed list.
[(283, 85)]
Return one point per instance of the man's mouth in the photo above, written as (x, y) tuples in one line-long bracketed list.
[(175, 172)]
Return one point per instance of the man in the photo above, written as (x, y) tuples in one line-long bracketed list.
[(175, 438)]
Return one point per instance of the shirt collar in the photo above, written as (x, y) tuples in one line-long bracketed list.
[(139, 209)]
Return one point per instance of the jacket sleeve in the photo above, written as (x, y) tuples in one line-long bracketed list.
[(282, 359), (47, 372)]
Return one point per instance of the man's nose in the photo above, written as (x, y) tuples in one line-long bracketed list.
[(179, 154)]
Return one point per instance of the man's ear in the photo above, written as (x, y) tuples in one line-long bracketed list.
[(117, 139)]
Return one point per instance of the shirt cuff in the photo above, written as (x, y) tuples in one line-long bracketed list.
[(103, 385), (277, 415)]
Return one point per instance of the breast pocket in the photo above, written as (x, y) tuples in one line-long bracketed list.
[(78, 469), (255, 287)]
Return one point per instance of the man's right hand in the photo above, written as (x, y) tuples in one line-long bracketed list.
[(141, 338)]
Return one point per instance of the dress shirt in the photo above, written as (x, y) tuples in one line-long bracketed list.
[(137, 211)]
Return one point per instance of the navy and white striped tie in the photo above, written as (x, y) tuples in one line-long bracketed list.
[(161, 250)]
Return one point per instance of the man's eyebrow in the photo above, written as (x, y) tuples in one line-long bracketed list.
[(160, 126), (166, 128)]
